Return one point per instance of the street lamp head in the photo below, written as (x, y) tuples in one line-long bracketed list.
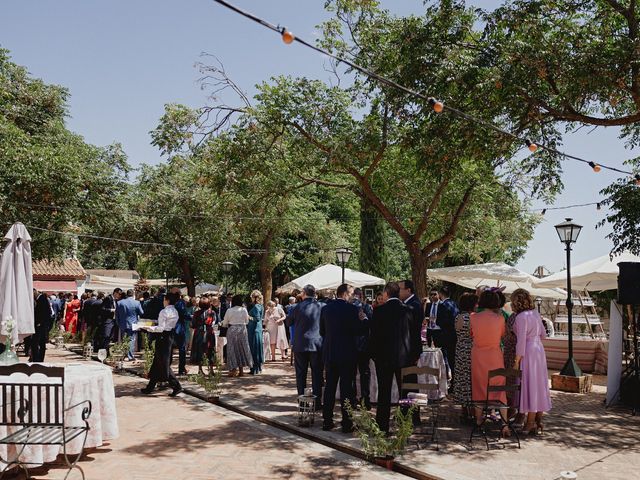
[(568, 231), (539, 301), (227, 266), (343, 255)]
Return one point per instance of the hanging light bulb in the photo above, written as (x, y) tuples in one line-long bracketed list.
[(598, 206), (595, 166), (544, 210), (287, 36), (530, 145), (437, 105), (637, 177)]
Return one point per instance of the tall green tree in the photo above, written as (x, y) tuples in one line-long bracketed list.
[(52, 179)]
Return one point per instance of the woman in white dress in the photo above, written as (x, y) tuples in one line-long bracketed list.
[(274, 320)]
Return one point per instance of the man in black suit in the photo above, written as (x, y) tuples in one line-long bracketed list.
[(391, 348), (447, 336), (409, 298), (431, 313), (42, 321), (107, 320), (365, 313), (339, 326), (307, 342)]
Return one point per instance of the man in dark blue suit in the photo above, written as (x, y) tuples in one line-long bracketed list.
[(390, 342), (365, 313), (127, 312), (340, 325), (307, 342), (446, 320)]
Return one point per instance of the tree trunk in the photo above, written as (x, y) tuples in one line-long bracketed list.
[(419, 263), (266, 268), (372, 251), (266, 281), (187, 277)]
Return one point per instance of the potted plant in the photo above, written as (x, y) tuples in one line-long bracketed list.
[(148, 352), (209, 381), (117, 352), (375, 442)]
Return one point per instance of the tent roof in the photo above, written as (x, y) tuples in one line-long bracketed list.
[(330, 276), (594, 275), (494, 275)]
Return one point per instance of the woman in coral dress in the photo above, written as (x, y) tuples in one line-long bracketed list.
[(71, 315), (530, 358), (487, 328)]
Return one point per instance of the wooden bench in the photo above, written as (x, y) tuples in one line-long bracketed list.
[(34, 414)]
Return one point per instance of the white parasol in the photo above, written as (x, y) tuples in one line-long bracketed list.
[(494, 275), (16, 284), (598, 274), (330, 277)]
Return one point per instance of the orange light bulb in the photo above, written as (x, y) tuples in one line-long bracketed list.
[(287, 37), (533, 147), (438, 107), (597, 168)]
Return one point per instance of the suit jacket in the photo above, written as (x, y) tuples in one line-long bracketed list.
[(305, 319), (127, 313), (340, 325), (362, 342), (108, 303), (42, 312), (391, 335), (446, 320), (416, 326)]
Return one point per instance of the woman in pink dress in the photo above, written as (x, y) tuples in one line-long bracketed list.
[(530, 358), (487, 328)]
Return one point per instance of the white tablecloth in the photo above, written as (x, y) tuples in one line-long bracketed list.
[(431, 357), (83, 381)]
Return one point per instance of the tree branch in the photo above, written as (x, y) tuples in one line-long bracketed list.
[(383, 144), (453, 228), (313, 140), (435, 201)]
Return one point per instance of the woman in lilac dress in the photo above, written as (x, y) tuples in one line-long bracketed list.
[(530, 358)]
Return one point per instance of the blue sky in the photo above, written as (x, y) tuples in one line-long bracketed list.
[(122, 60)]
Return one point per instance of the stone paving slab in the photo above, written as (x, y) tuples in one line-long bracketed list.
[(186, 438), (580, 435)]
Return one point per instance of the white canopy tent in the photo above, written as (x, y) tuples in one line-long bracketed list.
[(329, 277), (494, 275), (598, 274), (107, 284)]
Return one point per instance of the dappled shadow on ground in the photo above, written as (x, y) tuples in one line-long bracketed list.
[(89, 455), (232, 432), (328, 466)]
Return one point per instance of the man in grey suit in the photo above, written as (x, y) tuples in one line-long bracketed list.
[(307, 342), (127, 312)]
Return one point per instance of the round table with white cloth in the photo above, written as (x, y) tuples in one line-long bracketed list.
[(83, 381), (430, 357)]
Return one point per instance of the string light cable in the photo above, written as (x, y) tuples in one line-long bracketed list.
[(438, 106)]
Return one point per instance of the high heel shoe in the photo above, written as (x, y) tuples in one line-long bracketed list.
[(530, 429), (505, 431), (539, 428)]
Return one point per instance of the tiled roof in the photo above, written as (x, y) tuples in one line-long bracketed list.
[(69, 269)]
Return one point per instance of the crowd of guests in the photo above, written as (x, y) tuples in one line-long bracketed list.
[(334, 338), (478, 335)]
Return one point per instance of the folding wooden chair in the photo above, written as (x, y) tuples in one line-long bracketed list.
[(433, 405), (512, 384)]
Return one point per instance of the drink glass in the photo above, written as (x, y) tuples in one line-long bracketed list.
[(102, 354)]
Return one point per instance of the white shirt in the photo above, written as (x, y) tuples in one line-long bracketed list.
[(167, 319), (434, 310), (236, 316), (407, 300)]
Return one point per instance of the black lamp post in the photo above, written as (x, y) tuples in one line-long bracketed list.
[(166, 281), (343, 255), (226, 268), (568, 233)]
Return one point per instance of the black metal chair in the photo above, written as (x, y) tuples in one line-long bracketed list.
[(512, 385), (433, 405), (34, 414)]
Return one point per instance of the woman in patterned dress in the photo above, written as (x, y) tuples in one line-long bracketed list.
[(462, 384)]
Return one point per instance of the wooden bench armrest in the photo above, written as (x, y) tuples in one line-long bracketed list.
[(86, 411)]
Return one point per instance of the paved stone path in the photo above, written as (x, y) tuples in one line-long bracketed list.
[(163, 438), (186, 438)]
